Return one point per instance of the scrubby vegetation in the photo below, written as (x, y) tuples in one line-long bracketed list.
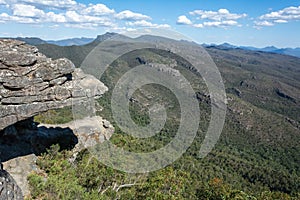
[(87, 178)]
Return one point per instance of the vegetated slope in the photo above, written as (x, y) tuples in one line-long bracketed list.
[(71, 41), (75, 53), (259, 147), (267, 80), (269, 138)]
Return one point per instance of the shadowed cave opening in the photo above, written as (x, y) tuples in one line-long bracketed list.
[(25, 137)]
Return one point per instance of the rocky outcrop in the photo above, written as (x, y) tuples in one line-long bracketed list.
[(89, 131), (31, 83), (19, 158)]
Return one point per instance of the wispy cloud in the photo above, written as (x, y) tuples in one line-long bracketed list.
[(207, 18), (263, 23), (129, 15), (281, 16), (220, 23), (144, 23)]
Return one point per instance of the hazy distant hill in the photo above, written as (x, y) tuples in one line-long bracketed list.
[(74, 53), (32, 40), (84, 41), (289, 51), (72, 41), (286, 51), (66, 42)]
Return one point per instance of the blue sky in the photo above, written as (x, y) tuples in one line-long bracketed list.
[(240, 22)]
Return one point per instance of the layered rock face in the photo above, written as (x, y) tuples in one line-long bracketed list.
[(31, 83)]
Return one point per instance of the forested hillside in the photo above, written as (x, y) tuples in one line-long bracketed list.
[(256, 157)]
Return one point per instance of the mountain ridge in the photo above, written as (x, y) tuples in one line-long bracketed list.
[(80, 41), (270, 49)]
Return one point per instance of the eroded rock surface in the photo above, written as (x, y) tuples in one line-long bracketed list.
[(89, 131), (19, 157), (31, 83)]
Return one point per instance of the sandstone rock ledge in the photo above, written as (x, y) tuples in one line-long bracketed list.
[(31, 83)]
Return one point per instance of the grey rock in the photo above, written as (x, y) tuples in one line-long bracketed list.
[(58, 81), (9, 189), (169, 69), (31, 83), (90, 131)]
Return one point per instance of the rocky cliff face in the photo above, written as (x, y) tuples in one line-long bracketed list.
[(31, 83)]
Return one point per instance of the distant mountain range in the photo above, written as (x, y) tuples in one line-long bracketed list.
[(72, 41), (83, 41), (286, 51), (65, 42)]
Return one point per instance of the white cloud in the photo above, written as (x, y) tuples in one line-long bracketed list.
[(74, 17), (144, 23), (121, 30), (221, 14), (206, 18), (282, 16), (220, 23), (70, 13), (2, 2), (26, 11), (25, 20), (129, 15), (263, 23), (280, 21), (289, 13), (183, 20), (198, 25), (82, 26), (98, 9), (53, 17)]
